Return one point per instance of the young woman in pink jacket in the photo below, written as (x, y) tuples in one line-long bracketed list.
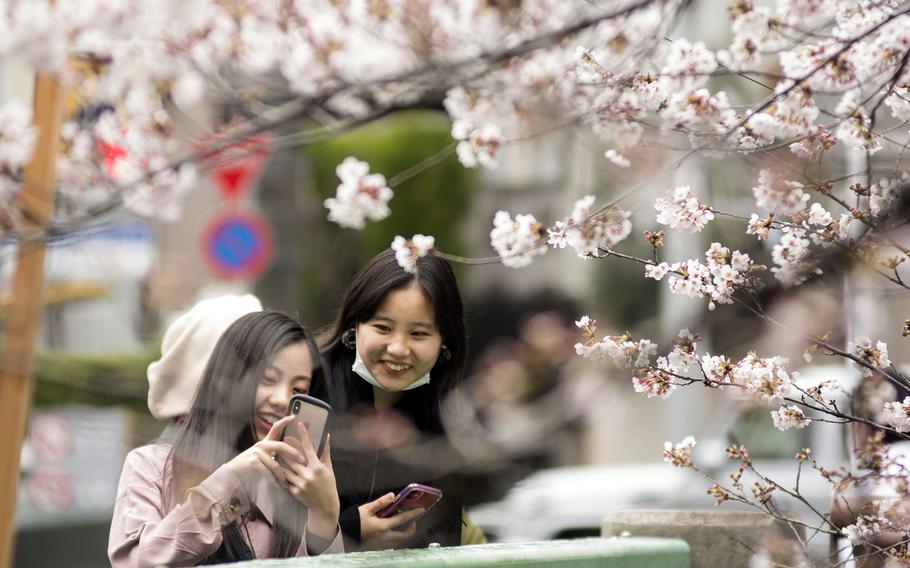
[(215, 492)]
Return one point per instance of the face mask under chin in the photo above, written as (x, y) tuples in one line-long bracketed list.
[(360, 368)]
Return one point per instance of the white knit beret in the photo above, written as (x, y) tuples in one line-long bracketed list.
[(185, 350)]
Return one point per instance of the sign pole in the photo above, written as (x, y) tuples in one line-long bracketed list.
[(24, 315)]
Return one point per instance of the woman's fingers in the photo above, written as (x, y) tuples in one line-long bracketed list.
[(283, 449), (405, 517), (277, 471), (308, 450), (326, 457), (374, 506), (277, 428)]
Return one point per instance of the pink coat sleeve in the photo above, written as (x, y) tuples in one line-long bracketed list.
[(143, 534), (337, 546)]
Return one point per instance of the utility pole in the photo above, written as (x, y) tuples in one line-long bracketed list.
[(24, 315)]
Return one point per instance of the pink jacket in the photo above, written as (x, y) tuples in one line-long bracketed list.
[(143, 533)]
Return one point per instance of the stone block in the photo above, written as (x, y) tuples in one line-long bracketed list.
[(716, 538)]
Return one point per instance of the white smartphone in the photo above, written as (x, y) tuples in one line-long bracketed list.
[(313, 414)]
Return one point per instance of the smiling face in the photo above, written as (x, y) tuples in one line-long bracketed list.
[(289, 373), (401, 342)]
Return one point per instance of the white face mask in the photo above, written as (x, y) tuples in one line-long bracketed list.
[(360, 368)]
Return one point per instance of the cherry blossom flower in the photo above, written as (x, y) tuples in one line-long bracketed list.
[(759, 226), (617, 159), (787, 417), (624, 352), (17, 135), (717, 368), (865, 529), (688, 65), (685, 352), (476, 146), (897, 414), (778, 195), (360, 196), (717, 280), (811, 147), (517, 241), (883, 194), (679, 209), (162, 195), (766, 380), (408, 251), (874, 355), (792, 257), (657, 271), (680, 455), (588, 231), (655, 381)]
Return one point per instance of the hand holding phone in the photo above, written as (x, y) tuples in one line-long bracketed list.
[(414, 496), (313, 414)]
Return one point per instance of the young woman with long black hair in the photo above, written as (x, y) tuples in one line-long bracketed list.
[(215, 493), (396, 348)]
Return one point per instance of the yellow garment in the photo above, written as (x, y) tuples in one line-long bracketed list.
[(470, 532)]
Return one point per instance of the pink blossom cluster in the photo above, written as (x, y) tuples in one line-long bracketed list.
[(588, 230), (722, 274), (408, 251), (679, 209), (787, 417), (624, 352), (764, 380), (517, 240), (870, 354), (360, 196), (778, 195), (864, 529), (897, 414), (17, 135), (476, 146), (656, 381), (679, 455)]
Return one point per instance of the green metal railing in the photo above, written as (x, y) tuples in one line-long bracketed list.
[(580, 553)]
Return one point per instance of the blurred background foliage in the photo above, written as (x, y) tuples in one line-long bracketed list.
[(97, 380), (434, 201)]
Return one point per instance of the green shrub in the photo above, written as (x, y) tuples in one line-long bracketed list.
[(96, 380)]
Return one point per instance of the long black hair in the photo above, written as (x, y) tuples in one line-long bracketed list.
[(362, 299), (219, 425)]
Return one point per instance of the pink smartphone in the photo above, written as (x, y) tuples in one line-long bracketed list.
[(414, 496)]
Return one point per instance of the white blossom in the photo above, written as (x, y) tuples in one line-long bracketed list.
[(360, 196), (655, 381), (766, 380), (656, 271), (17, 135), (875, 355), (680, 455), (685, 352), (778, 195), (897, 414), (516, 241), (787, 417), (617, 159), (477, 146), (679, 209), (408, 251)]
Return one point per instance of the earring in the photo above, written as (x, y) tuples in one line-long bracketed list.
[(445, 352), (349, 338)]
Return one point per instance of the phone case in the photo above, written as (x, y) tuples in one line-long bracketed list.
[(414, 496), (314, 414)]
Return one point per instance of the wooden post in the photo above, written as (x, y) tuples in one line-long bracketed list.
[(24, 316)]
